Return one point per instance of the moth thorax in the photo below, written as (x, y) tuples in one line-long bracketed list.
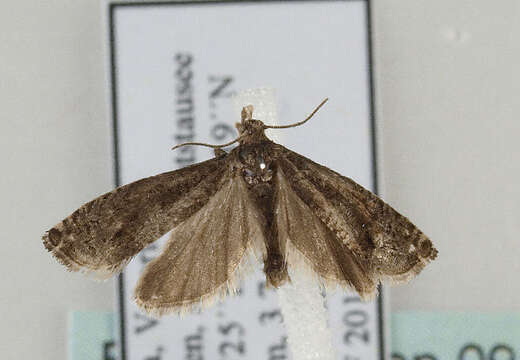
[(256, 168)]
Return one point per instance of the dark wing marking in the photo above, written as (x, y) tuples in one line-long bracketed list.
[(332, 260), (386, 243), (103, 235), (201, 260)]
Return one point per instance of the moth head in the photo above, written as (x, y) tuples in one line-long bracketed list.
[(250, 130), (251, 125)]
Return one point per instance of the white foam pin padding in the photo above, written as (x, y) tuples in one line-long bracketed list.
[(305, 318)]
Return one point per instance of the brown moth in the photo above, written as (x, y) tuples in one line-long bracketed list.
[(259, 200)]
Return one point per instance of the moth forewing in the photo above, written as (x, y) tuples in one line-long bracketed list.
[(103, 235), (385, 242)]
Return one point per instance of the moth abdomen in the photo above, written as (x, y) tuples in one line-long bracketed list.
[(275, 268)]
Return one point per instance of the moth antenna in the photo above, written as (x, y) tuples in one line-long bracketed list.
[(300, 122), (208, 145)]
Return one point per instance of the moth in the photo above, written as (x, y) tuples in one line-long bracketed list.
[(258, 201)]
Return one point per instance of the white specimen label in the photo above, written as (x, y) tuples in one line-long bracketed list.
[(174, 67)]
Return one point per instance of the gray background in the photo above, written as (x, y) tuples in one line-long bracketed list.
[(447, 85)]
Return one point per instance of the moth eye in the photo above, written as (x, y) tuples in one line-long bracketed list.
[(262, 166)]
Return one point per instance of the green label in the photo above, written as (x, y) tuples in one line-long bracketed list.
[(414, 336), (455, 336), (91, 335)]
